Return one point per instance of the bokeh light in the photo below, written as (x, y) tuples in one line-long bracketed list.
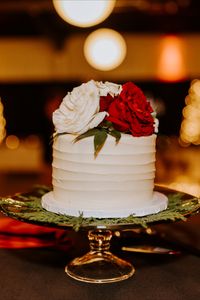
[(84, 13), (105, 49), (2, 123), (190, 127), (12, 142), (170, 64)]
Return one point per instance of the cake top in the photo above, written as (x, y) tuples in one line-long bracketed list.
[(101, 108)]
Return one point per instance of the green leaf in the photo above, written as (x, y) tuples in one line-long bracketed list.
[(116, 134), (90, 132), (107, 124), (99, 140)]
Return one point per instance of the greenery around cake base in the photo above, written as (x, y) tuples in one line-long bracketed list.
[(27, 207)]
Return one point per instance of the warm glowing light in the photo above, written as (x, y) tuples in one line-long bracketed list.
[(2, 123), (84, 13), (12, 142), (190, 127), (195, 89), (191, 112), (185, 186), (105, 49), (171, 66)]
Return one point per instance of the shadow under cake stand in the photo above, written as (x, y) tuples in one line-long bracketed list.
[(99, 265)]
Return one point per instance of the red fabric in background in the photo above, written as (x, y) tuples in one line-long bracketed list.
[(16, 234)]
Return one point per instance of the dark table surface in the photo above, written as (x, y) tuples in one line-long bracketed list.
[(38, 274)]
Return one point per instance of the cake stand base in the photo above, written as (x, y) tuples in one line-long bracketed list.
[(99, 265)]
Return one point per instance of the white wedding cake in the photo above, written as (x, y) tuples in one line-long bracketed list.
[(104, 165)]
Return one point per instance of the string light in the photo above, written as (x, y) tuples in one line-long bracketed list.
[(190, 126), (2, 123)]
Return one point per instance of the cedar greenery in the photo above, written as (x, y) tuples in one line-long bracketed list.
[(27, 207)]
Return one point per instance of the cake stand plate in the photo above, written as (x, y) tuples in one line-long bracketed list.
[(158, 203), (99, 265)]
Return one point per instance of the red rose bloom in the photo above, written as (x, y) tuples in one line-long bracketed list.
[(105, 102), (130, 111), (115, 110)]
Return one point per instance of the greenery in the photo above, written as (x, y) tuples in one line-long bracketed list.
[(27, 207)]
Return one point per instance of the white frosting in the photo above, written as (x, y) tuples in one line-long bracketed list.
[(117, 183)]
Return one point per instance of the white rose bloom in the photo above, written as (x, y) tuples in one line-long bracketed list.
[(108, 88), (79, 110)]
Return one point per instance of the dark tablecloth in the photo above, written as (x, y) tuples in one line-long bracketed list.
[(38, 274)]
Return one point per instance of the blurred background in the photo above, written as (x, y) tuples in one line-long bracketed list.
[(48, 47)]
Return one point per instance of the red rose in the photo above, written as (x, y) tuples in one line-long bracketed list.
[(141, 129), (115, 109), (131, 91), (130, 111), (105, 102)]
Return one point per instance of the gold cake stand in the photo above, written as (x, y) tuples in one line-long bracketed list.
[(99, 265)]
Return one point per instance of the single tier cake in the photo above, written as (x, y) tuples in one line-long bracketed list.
[(102, 171)]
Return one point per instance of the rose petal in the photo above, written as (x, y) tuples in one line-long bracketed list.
[(94, 122)]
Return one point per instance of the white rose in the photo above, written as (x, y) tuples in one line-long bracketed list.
[(79, 110), (108, 88)]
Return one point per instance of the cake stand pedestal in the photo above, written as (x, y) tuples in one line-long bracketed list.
[(99, 265)]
